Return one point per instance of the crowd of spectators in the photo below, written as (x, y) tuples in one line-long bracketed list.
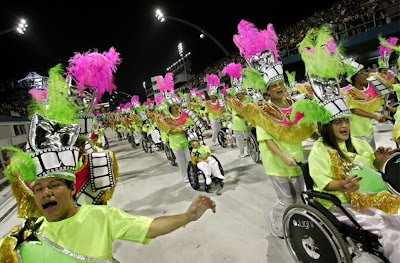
[(346, 18), (13, 110)]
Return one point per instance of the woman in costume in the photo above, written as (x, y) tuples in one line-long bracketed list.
[(175, 124), (280, 137), (236, 105), (213, 108)]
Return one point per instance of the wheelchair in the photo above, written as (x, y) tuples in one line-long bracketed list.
[(252, 146), (147, 143), (225, 136), (197, 179), (169, 154), (313, 234)]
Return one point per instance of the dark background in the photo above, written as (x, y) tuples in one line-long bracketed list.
[(58, 29)]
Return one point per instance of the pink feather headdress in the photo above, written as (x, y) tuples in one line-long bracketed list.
[(224, 89), (38, 95), (192, 91), (212, 80), (95, 70), (233, 70), (135, 99), (166, 83), (200, 94), (391, 41), (128, 105), (251, 40), (159, 99), (148, 102)]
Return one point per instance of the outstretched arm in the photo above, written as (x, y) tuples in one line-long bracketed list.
[(166, 224)]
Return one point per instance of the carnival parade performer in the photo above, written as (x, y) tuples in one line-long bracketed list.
[(175, 124), (239, 126), (280, 140), (213, 108)]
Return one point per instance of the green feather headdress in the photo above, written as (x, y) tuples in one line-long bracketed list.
[(320, 54), (21, 164), (291, 76), (253, 79), (57, 105), (312, 110)]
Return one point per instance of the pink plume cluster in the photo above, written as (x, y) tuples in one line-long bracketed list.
[(166, 83), (224, 89), (38, 95), (212, 80), (158, 99), (250, 40), (118, 110), (331, 46), (148, 102), (200, 94), (391, 41), (192, 91), (135, 99), (128, 105), (95, 70), (233, 70)]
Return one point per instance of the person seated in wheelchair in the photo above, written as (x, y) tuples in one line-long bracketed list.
[(151, 131), (201, 156), (333, 163)]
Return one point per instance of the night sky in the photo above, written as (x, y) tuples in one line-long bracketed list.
[(58, 29)]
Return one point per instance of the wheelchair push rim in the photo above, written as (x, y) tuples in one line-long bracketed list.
[(253, 150), (221, 136), (311, 237)]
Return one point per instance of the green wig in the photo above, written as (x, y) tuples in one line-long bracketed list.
[(253, 79), (320, 54)]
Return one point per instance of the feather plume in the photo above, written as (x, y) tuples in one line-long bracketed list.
[(158, 99), (251, 40), (224, 89), (253, 79), (233, 70), (391, 41), (38, 95), (95, 70), (149, 101), (135, 99), (291, 76), (21, 164), (312, 110), (316, 55), (212, 80), (192, 91)]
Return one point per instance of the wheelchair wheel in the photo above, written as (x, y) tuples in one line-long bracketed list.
[(193, 176), (145, 146), (170, 155), (311, 237), (252, 148), (222, 138), (215, 179)]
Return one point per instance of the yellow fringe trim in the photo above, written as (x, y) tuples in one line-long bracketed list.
[(194, 105), (286, 133), (234, 104), (370, 106), (210, 110), (396, 133), (25, 200), (384, 201), (108, 193), (303, 89), (7, 252)]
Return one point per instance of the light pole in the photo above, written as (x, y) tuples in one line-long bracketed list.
[(180, 50), (161, 17), (21, 28)]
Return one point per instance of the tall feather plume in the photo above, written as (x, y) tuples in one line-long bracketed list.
[(169, 81), (391, 41), (149, 101), (192, 91), (38, 95), (21, 164), (233, 70), (251, 40), (318, 60), (95, 70), (291, 76), (135, 99), (158, 99), (224, 89), (212, 80), (253, 79)]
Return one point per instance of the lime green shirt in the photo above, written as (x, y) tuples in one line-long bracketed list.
[(92, 231), (360, 126), (321, 170), (211, 115), (238, 124), (179, 140), (202, 150), (273, 165)]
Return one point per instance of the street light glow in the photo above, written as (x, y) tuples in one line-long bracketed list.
[(22, 26)]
